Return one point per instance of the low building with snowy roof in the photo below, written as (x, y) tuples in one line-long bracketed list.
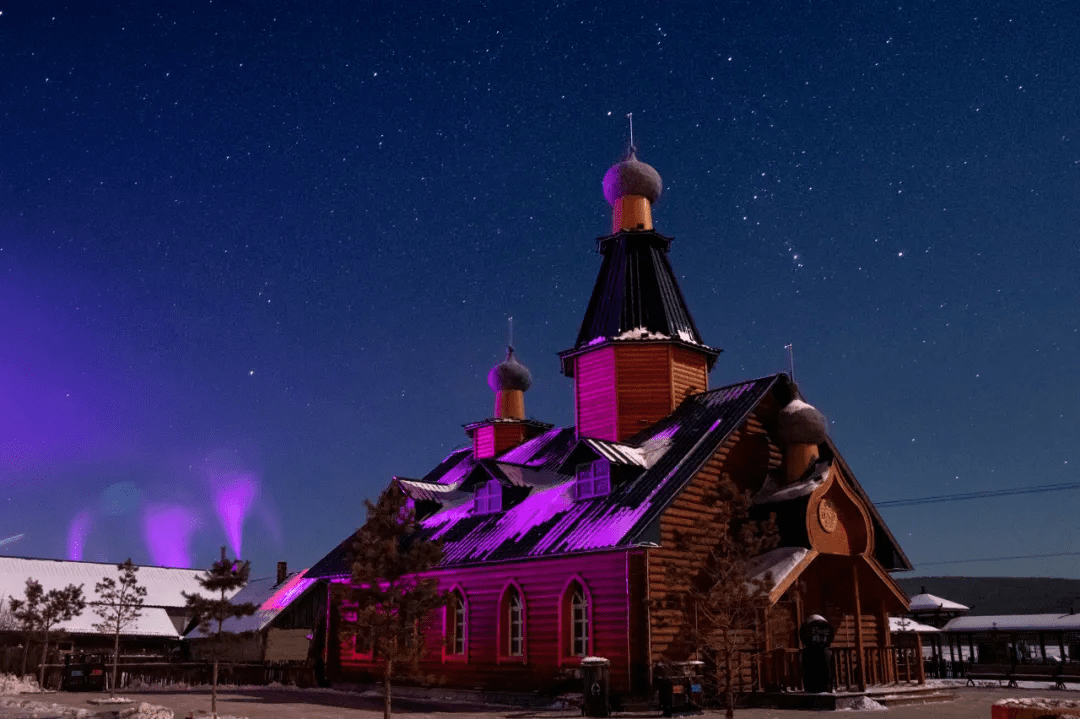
[(281, 629), (934, 610), (157, 631), (559, 542)]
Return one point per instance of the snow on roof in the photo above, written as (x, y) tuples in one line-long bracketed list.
[(271, 598), (164, 585), (1015, 623), (932, 603), (775, 565), (164, 589), (773, 491), (903, 624)]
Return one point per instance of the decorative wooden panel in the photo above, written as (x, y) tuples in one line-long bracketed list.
[(484, 442), (507, 435), (643, 386), (594, 394), (689, 374)]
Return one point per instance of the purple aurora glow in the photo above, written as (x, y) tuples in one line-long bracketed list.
[(234, 495), (167, 529), (77, 533)]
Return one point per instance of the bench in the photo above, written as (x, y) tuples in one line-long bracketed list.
[(1056, 674)]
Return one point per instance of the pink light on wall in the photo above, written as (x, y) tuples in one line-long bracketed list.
[(76, 537), (234, 495), (167, 529)]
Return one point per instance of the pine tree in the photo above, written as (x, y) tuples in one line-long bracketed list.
[(42, 611), (224, 577), (718, 608), (27, 612), (119, 605), (391, 599)]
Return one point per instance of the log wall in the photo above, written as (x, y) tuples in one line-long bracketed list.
[(606, 578)]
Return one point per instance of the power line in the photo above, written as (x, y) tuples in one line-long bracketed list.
[(1000, 559), (1037, 489)]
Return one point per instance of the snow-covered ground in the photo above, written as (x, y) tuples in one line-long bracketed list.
[(12, 687), (11, 684)]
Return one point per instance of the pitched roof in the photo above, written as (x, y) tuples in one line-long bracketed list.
[(636, 296), (1015, 623), (271, 597), (931, 603), (164, 590), (549, 522), (900, 625)]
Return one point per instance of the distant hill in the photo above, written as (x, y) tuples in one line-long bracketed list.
[(1001, 595)]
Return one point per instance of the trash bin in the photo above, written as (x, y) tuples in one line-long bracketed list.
[(816, 635), (596, 679), (687, 679)]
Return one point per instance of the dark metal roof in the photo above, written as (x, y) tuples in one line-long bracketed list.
[(636, 296), (549, 522)]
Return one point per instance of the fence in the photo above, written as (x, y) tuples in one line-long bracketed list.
[(164, 674)]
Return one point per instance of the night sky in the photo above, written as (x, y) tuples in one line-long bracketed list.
[(261, 255)]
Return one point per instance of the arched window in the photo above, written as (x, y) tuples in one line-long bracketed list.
[(575, 621), (512, 624), (456, 624)]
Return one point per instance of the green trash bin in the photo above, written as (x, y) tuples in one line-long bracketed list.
[(596, 687)]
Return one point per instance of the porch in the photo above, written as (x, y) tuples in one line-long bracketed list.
[(781, 669)]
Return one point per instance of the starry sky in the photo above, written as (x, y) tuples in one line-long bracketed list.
[(257, 257)]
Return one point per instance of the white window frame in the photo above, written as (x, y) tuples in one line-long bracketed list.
[(515, 624), (592, 479), (579, 622)]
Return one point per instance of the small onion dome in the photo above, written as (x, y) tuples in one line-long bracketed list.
[(802, 423), (631, 177), (509, 374)]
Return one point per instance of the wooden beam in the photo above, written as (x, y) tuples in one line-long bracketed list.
[(860, 660)]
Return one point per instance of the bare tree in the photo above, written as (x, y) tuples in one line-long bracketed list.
[(720, 603), (224, 577), (119, 605), (392, 601)]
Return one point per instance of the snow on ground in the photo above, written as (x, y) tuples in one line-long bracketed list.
[(864, 704), (33, 709), (1061, 707), (11, 684), (110, 700)]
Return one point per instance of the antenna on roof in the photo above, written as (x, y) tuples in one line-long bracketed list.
[(630, 117), (790, 347), (509, 331)]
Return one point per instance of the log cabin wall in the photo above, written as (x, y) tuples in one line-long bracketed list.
[(607, 578), (746, 456)]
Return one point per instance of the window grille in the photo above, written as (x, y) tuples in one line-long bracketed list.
[(579, 623), (488, 498), (593, 480)]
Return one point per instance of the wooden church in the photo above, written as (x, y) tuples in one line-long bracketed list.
[(558, 540)]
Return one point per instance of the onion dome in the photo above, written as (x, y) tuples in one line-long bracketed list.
[(509, 374), (802, 423), (632, 177)]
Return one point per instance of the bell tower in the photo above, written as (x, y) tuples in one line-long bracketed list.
[(638, 353)]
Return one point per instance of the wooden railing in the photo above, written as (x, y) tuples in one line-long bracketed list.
[(781, 669)]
